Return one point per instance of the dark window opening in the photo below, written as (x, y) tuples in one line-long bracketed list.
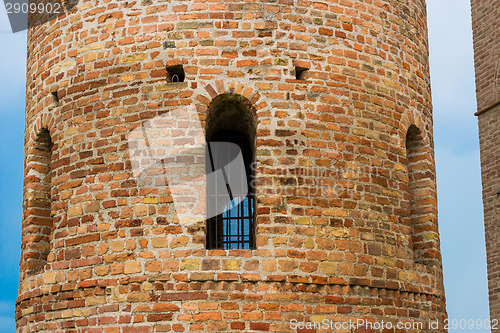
[(175, 73), (233, 228), (300, 73), (55, 98)]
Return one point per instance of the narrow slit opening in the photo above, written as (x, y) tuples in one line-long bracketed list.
[(300, 73), (55, 98), (175, 73)]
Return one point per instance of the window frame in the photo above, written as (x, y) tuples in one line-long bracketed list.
[(216, 238)]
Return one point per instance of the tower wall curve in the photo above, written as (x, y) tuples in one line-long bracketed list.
[(346, 216)]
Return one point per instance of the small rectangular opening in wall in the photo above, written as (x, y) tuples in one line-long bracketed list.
[(55, 98), (175, 73), (300, 73)]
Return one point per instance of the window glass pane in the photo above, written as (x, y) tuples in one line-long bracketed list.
[(233, 228)]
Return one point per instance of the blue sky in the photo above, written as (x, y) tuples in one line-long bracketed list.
[(461, 220), (456, 144)]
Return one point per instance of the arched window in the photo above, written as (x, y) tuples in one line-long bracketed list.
[(37, 222), (230, 192), (422, 197)]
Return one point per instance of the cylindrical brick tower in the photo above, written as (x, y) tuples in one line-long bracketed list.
[(333, 101)]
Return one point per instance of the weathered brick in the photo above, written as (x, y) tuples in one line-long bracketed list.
[(346, 218), (487, 71)]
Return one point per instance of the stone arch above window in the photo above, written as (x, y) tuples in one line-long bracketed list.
[(231, 112)]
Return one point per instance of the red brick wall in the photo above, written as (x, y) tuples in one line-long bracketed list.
[(37, 225), (489, 134), (486, 26), (334, 228)]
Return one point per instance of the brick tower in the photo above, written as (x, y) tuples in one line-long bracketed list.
[(331, 104), (486, 27)]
